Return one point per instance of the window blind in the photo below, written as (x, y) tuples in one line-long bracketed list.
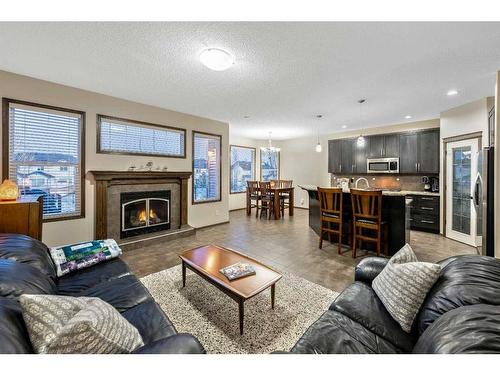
[(269, 165), (206, 167), (242, 168), (45, 157), (134, 138)]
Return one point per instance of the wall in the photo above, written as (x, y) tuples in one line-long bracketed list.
[(465, 119), (34, 90)]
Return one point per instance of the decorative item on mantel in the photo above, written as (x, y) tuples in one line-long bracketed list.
[(9, 191)]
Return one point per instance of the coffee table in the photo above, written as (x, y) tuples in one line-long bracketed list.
[(207, 261)]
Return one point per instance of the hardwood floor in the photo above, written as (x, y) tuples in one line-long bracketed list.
[(288, 245)]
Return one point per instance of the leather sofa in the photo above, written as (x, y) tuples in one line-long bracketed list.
[(26, 267), (461, 314)]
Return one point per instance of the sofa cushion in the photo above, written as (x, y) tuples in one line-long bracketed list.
[(70, 258), (403, 284), (360, 303), (467, 329), (77, 282), (336, 333), (150, 321), (62, 324), (122, 293), (27, 250), (14, 338), (467, 280), (21, 278), (182, 343)]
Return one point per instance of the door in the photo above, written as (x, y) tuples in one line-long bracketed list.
[(408, 151), (347, 161), (376, 146), (428, 152), (334, 156), (461, 172), (391, 146)]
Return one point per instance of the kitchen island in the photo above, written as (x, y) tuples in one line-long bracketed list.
[(394, 212)]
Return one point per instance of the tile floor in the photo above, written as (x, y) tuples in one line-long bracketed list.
[(288, 244)]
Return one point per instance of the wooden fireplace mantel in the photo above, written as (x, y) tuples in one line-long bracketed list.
[(105, 179)]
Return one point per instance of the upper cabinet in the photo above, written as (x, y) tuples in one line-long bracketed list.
[(418, 152)]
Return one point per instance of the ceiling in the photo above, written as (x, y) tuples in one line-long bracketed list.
[(284, 75)]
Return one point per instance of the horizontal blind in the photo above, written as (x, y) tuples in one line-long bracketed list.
[(270, 165), (133, 138), (242, 168), (45, 157), (207, 167)]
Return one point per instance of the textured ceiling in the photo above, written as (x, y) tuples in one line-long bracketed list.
[(285, 73)]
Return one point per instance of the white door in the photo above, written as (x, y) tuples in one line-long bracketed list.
[(461, 171)]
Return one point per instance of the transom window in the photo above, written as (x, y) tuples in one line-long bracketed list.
[(123, 136), (45, 154)]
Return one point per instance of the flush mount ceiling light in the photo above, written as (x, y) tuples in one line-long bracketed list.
[(216, 59), (452, 92), (344, 126), (407, 117)]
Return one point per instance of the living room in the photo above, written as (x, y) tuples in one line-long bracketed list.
[(182, 187)]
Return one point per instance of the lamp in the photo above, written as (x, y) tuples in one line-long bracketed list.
[(8, 191), (318, 145), (270, 146), (361, 141)]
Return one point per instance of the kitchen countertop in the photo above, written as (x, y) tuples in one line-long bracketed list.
[(384, 192)]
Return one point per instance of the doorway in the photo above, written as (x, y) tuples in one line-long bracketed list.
[(461, 171)]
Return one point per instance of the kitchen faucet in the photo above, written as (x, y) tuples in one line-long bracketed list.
[(362, 179)]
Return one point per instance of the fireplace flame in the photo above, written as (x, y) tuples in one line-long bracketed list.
[(142, 215), (152, 214)]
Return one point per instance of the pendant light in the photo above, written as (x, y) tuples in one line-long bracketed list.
[(318, 145), (361, 141)]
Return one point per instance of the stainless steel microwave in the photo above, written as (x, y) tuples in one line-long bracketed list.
[(382, 165)]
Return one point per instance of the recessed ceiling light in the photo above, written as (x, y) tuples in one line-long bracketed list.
[(407, 117), (344, 126), (246, 116), (216, 59), (452, 92)]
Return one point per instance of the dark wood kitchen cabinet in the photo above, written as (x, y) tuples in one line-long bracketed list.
[(347, 157), (376, 146), (334, 155), (391, 146), (360, 155), (428, 152), (408, 151)]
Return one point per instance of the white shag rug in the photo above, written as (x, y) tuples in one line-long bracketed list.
[(207, 313)]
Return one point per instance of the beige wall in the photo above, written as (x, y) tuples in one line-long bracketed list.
[(34, 90)]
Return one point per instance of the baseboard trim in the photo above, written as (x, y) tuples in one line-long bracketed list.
[(212, 225), (237, 209)]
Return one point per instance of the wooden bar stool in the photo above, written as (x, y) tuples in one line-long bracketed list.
[(330, 210), (253, 194), (266, 198), (367, 215)]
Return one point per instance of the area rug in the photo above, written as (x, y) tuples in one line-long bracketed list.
[(207, 313)]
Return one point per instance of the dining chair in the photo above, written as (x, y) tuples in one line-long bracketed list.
[(253, 195), (285, 196), (266, 198), (367, 216), (331, 214)]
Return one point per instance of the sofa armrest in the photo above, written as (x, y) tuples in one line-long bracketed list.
[(369, 268), (182, 343)]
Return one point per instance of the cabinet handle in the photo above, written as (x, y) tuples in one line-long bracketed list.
[(352, 168), (426, 199), (416, 167), (427, 208), (340, 166), (427, 221)]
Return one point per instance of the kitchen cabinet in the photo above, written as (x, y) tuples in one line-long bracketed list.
[(428, 152), (383, 146), (408, 151), (424, 213), (360, 155), (347, 160), (391, 146), (334, 155), (376, 146)]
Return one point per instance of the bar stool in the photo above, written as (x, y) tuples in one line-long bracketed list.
[(330, 210), (266, 198), (253, 194), (367, 215)]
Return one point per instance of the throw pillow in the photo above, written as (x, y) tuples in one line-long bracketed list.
[(79, 325), (70, 258), (403, 284)]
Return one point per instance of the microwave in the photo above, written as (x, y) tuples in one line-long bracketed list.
[(382, 165)]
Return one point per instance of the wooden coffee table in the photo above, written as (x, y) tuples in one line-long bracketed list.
[(207, 261)]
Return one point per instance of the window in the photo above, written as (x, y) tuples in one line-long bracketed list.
[(206, 167), (123, 136), (45, 155), (269, 165), (242, 167)]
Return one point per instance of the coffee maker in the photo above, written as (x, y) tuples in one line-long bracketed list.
[(431, 184)]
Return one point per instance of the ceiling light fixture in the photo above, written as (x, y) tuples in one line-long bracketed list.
[(407, 117), (318, 145), (452, 92), (361, 141), (344, 126), (216, 59), (270, 146)]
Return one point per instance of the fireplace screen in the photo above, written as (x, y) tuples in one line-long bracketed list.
[(144, 212)]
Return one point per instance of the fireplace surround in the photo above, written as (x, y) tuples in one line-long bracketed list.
[(112, 186)]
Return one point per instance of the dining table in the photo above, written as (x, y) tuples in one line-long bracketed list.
[(277, 191)]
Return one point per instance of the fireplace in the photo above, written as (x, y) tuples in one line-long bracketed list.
[(144, 212)]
